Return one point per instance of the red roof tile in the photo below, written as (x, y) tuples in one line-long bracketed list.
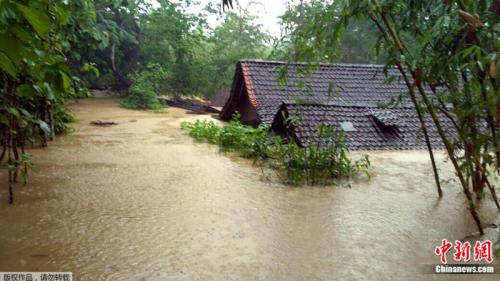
[(249, 85)]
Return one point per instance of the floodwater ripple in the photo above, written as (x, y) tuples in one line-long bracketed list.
[(142, 201)]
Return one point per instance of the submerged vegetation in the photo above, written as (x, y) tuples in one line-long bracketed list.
[(145, 86), (320, 163)]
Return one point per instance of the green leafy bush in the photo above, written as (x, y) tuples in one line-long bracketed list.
[(147, 84), (141, 99), (62, 119), (247, 141), (320, 163), (203, 130)]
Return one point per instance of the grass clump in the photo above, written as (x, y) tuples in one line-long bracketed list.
[(324, 161)]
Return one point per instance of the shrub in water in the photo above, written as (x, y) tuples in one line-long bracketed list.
[(139, 98), (324, 160), (203, 130), (146, 85), (245, 140)]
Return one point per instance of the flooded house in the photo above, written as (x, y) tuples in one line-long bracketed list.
[(369, 103)]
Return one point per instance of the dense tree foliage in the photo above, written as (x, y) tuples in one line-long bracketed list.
[(169, 37), (105, 49), (35, 77), (235, 39), (191, 54), (48, 50), (354, 44)]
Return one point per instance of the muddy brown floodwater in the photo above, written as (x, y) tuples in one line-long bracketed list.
[(142, 201)]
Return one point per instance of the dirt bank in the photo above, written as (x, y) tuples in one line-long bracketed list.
[(141, 201)]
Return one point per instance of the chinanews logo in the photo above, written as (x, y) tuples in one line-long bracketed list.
[(467, 259)]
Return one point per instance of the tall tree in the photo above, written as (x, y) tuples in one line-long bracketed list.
[(190, 53), (169, 35), (356, 46), (238, 37), (108, 45)]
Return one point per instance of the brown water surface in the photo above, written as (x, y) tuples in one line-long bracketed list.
[(142, 201)]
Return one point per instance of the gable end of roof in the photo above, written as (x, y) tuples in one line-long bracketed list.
[(249, 85)]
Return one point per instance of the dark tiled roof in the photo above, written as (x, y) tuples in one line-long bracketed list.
[(387, 117), (339, 84), (399, 128)]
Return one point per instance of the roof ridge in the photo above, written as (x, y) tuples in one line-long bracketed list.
[(336, 104), (305, 63)]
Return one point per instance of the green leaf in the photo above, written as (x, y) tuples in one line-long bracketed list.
[(25, 90), (25, 113), (7, 66), (37, 18), (49, 91), (63, 12), (14, 112), (44, 126), (12, 167), (89, 68), (11, 46), (4, 120), (66, 81)]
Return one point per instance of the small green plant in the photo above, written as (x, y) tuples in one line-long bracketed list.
[(322, 162)]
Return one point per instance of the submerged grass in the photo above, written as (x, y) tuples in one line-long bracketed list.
[(324, 161)]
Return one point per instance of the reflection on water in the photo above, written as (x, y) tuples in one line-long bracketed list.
[(141, 201)]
